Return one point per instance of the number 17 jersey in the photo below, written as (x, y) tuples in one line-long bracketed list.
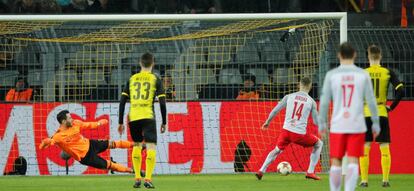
[(298, 107), (142, 88)]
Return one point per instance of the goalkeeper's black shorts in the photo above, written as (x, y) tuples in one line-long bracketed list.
[(91, 158), (384, 136)]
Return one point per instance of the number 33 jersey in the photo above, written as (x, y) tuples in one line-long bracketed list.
[(298, 107), (348, 86), (142, 88)]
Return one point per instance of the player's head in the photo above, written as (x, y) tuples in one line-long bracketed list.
[(249, 81), (305, 84), (147, 60), (64, 118), (374, 54), (346, 53)]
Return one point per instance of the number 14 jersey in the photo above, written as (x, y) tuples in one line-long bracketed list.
[(298, 107)]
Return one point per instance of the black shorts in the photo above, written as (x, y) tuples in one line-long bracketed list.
[(384, 136), (143, 130), (91, 158)]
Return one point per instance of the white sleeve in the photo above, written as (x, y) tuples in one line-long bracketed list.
[(372, 103), (279, 106), (315, 114), (324, 102)]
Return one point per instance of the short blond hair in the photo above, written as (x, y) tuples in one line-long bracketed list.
[(374, 52)]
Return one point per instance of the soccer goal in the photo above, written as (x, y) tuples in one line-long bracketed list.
[(223, 74)]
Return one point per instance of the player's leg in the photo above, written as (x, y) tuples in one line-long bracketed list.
[(364, 160), (355, 149), (337, 151), (384, 140), (282, 142), (150, 137), (93, 160), (135, 129), (311, 140), (120, 144)]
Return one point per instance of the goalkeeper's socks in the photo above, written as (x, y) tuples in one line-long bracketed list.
[(364, 164), (118, 167), (150, 163), (122, 144), (335, 178), (136, 161), (351, 176), (385, 162)]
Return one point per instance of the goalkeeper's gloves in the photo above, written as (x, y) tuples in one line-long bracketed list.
[(46, 143), (388, 108), (102, 122)]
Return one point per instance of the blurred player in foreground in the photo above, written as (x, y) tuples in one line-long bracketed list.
[(347, 86), (69, 138), (298, 107)]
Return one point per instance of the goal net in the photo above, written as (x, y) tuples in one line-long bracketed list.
[(223, 74)]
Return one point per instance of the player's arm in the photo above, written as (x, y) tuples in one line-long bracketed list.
[(46, 143), (315, 113), (91, 125), (398, 90), (275, 111), (324, 104), (163, 105), (122, 103), (372, 104)]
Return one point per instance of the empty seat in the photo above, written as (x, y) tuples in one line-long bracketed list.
[(8, 77), (93, 77), (122, 78), (284, 76), (230, 76), (68, 77), (203, 76), (34, 77), (261, 75)]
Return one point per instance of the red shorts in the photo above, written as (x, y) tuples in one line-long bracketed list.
[(351, 144), (286, 137)]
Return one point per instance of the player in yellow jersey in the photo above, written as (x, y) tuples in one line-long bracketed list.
[(381, 78), (141, 90)]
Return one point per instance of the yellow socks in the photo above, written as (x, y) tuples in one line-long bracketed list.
[(150, 163), (136, 161), (385, 162), (364, 164)]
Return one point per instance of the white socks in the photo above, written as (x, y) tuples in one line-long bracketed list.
[(351, 177), (314, 157), (335, 178), (270, 158)]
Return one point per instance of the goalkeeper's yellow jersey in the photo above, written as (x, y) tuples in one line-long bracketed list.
[(381, 77)]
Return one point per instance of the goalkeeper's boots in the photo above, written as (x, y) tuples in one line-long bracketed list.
[(137, 184), (148, 184), (312, 176), (259, 175), (363, 184), (386, 184)]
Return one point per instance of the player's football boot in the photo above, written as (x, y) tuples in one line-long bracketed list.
[(363, 184), (386, 184), (259, 175), (312, 176), (137, 184), (148, 184)]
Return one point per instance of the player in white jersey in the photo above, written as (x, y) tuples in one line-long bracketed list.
[(298, 107), (347, 86)]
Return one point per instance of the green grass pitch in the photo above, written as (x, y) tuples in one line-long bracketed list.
[(237, 182)]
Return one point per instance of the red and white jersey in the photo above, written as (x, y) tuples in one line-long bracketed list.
[(298, 107), (347, 86)]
